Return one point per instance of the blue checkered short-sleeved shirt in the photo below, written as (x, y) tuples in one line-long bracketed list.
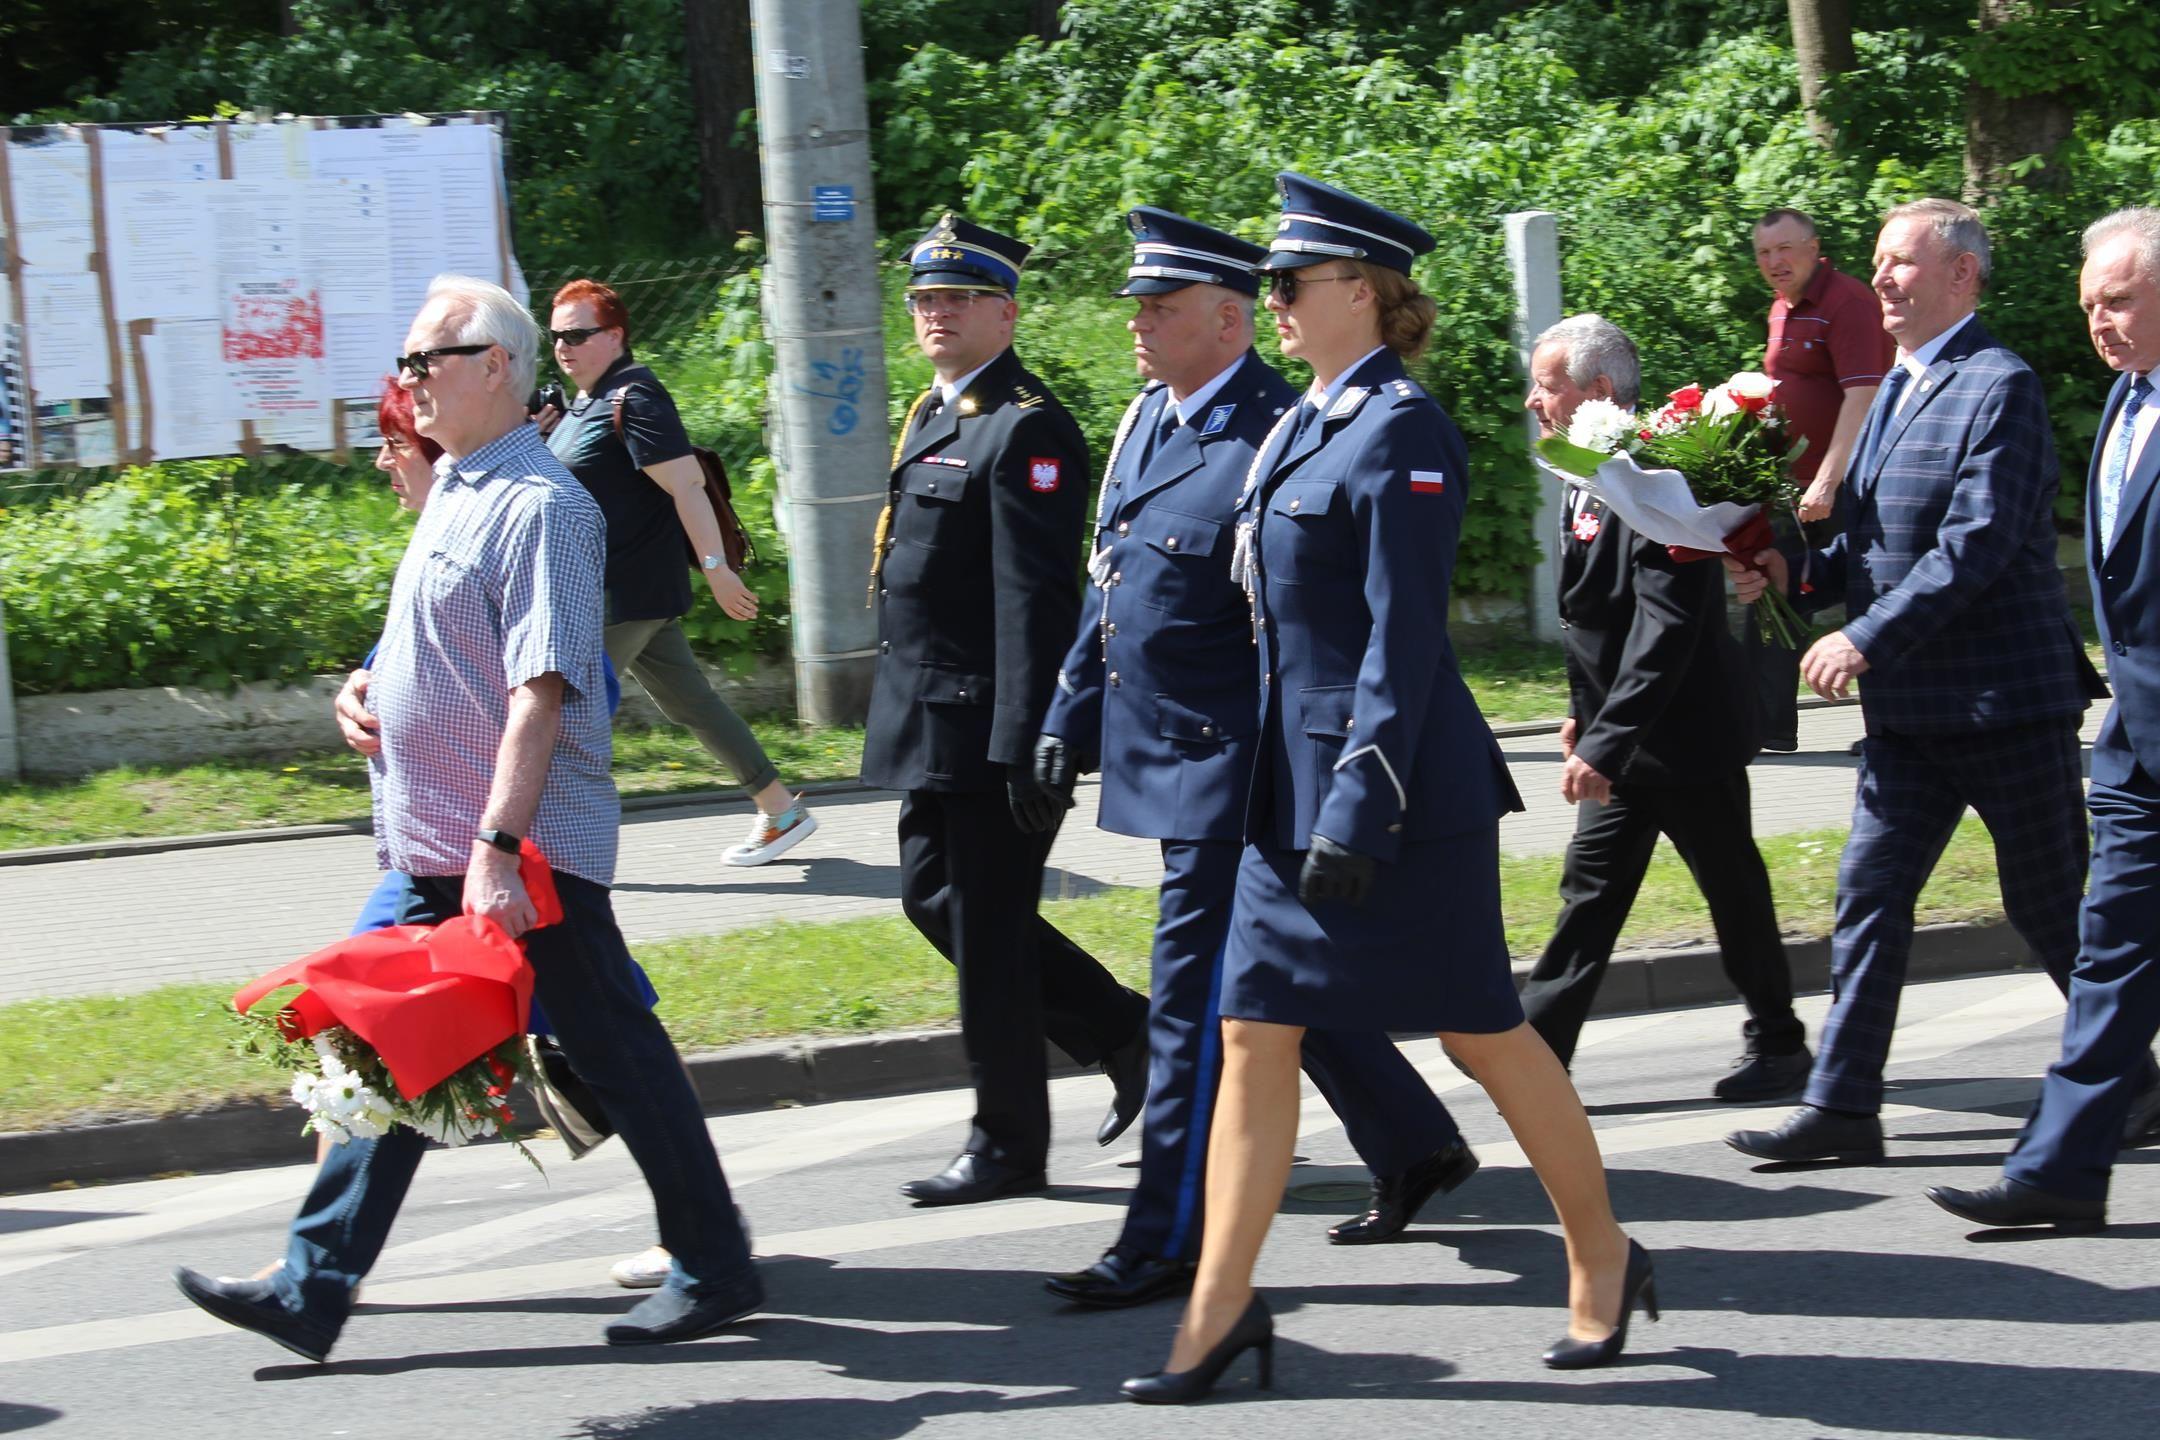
[(501, 584)]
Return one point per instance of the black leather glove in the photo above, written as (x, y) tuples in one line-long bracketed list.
[(1036, 808), (1333, 872), (1056, 768)]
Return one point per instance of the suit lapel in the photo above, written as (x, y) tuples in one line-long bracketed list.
[(1970, 337), (944, 427), (1355, 393), (1172, 463)]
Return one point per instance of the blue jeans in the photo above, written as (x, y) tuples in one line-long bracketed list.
[(608, 1032)]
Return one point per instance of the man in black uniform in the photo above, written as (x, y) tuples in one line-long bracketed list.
[(1661, 726), (976, 581)]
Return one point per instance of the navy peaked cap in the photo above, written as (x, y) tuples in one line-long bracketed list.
[(1171, 252), (958, 254), (1320, 222)]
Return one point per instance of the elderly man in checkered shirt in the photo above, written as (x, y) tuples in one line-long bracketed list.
[(489, 689)]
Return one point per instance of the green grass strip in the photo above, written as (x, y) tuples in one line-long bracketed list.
[(165, 1051)]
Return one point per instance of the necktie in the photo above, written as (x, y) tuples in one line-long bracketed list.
[(1886, 404), (2117, 467)]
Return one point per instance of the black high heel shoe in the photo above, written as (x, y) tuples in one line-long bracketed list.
[(1640, 1284), (1255, 1330)]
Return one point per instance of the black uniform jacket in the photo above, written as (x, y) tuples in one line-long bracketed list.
[(1656, 683), (979, 591)]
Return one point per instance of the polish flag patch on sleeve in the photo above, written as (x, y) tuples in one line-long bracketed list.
[(1428, 482), (1043, 475)]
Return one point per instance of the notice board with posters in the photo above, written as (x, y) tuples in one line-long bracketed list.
[(221, 288)]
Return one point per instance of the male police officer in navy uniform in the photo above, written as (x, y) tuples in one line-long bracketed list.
[(1159, 685), (977, 587)]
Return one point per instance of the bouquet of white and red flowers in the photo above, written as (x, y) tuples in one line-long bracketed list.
[(1700, 475), (416, 1025)]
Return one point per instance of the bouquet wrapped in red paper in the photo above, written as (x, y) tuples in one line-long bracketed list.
[(417, 1025), (1700, 475)]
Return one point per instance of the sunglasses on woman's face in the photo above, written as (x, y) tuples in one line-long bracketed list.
[(576, 337), (420, 361), (1283, 284)]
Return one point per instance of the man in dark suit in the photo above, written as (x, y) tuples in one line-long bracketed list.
[(1661, 726), (1158, 689), (2102, 1092), (977, 587), (1976, 677)]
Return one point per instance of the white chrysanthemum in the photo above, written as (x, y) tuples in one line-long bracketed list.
[(1752, 384), (303, 1089), (1600, 425)]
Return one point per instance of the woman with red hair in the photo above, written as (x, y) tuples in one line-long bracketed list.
[(406, 456)]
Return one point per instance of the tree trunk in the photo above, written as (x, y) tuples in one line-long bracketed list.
[(1823, 48), (716, 46), (2002, 131), (1044, 19)]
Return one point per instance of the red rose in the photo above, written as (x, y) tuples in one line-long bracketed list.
[(1752, 404), (1686, 399)]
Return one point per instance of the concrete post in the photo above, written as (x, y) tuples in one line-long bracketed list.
[(829, 432), (10, 745), (1533, 251)]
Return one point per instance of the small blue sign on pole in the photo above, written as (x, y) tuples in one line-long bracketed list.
[(832, 202)]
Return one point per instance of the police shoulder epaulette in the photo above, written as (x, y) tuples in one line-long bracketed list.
[(1025, 398), (1406, 390)]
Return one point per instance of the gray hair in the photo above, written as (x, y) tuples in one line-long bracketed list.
[(492, 316), (2140, 220), (1957, 226), (1596, 346)]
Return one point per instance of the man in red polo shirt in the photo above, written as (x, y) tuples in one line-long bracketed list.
[(1828, 352)]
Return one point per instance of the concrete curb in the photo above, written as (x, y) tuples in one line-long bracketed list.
[(632, 805), (804, 1072)]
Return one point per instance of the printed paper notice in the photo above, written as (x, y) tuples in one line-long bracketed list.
[(162, 248), (66, 323), (189, 403), (273, 345)]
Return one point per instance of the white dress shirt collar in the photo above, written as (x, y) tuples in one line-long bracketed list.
[(950, 393), (1196, 403), (1322, 398)]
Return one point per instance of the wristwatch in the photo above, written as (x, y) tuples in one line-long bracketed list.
[(712, 562), (502, 840)]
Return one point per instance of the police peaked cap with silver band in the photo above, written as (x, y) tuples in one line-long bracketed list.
[(1171, 252), (1320, 222), (960, 255)]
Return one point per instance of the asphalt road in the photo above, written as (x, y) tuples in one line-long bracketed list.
[(1825, 1303)]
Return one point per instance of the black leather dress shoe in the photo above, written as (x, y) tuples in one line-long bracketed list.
[(971, 1178), (1811, 1133), (1396, 1199), (2013, 1202), (1123, 1277), (2143, 1124), (669, 1315), (1757, 1078), (1127, 1067), (254, 1305)]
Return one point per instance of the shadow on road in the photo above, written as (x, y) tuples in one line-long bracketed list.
[(14, 1417)]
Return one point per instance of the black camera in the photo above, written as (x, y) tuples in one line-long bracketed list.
[(548, 394)]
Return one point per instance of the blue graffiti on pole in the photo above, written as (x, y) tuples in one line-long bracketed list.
[(845, 377)]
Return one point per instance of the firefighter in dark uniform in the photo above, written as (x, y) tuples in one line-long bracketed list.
[(976, 581), (1368, 894), (1159, 687)]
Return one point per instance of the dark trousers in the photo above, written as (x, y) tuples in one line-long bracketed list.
[(2028, 785), (1775, 670), (1713, 828), (582, 971), (1391, 1116), (971, 882), (2069, 1143)]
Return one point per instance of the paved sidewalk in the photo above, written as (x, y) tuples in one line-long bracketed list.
[(132, 922)]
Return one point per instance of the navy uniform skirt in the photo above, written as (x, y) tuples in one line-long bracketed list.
[(1426, 951)]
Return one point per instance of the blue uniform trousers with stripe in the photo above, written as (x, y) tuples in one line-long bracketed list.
[(1390, 1115), (2069, 1143), (2027, 783)]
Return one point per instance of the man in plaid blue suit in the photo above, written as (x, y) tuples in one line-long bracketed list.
[(1976, 676), (2103, 1090)]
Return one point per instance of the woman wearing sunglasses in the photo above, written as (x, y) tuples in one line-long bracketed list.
[(1369, 892), (625, 443)]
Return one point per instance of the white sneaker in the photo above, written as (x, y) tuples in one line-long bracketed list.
[(772, 836), (647, 1270)]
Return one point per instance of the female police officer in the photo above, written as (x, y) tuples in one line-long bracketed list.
[(1369, 892)]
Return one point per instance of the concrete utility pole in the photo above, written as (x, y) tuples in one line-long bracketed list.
[(1533, 252), (829, 435), (10, 744)]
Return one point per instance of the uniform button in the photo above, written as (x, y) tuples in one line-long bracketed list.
[(1171, 543), (1350, 724), (963, 694), (884, 594), (1294, 504), (1113, 679), (884, 647), (1111, 628), (1124, 529), (2121, 649), (1117, 577), (1395, 829), (1207, 729), (1268, 678), (933, 487)]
